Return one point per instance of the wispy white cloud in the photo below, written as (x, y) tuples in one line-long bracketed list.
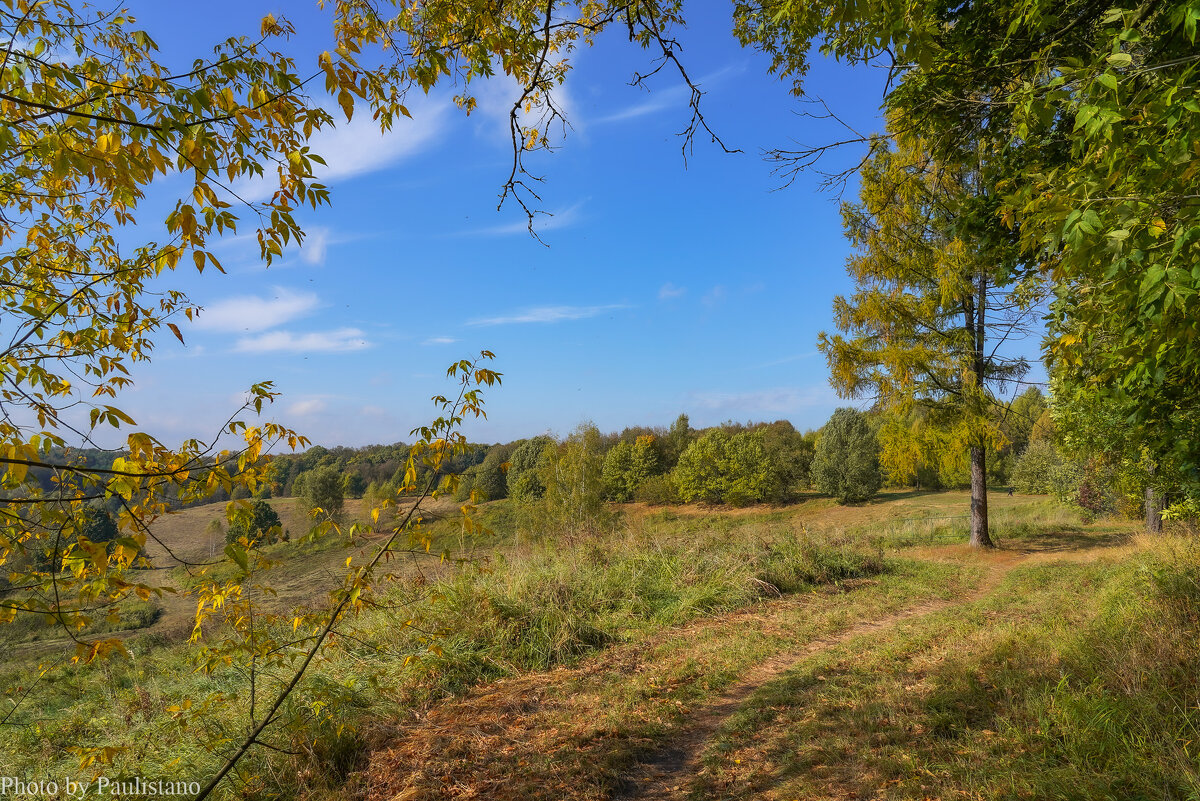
[(306, 407), (785, 360), (440, 341), (254, 313), (494, 99), (659, 101), (337, 341), (713, 296), (549, 314), (549, 221), (781, 400), (673, 97), (316, 244), (358, 147), (669, 290)]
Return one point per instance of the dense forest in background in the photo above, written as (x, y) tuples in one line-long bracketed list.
[(1039, 450)]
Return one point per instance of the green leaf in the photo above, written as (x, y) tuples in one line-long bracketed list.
[(238, 555)]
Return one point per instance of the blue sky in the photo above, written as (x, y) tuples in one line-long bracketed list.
[(665, 287)]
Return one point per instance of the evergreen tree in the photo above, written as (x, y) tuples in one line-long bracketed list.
[(259, 524)]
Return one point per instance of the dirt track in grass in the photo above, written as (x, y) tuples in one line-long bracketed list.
[(668, 773), (550, 735)]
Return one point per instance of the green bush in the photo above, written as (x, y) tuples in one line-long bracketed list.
[(719, 468), (466, 483), (846, 463), (572, 501), (658, 490), (1034, 471), (491, 481)]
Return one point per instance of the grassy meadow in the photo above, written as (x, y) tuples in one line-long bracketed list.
[(804, 651)]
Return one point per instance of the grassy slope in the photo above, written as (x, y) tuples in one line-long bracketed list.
[(603, 656), (1076, 679), (1076, 676)]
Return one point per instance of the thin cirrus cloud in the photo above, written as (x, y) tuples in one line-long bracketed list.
[(495, 98), (252, 313), (440, 341), (669, 291), (359, 146), (542, 222), (714, 296), (549, 314), (673, 97), (341, 340), (307, 406), (781, 400), (660, 101)]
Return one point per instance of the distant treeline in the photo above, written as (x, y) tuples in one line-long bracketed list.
[(850, 458)]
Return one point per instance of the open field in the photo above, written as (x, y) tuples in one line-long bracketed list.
[(807, 651)]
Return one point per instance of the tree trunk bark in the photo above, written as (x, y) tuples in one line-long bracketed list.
[(976, 319), (980, 538), (1154, 507)]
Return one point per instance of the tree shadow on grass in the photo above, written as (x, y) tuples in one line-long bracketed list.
[(1065, 539)]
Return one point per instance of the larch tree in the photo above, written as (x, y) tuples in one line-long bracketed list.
[(1099, 99), (938, 293)]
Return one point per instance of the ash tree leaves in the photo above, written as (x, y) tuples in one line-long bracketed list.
[(93, 117)]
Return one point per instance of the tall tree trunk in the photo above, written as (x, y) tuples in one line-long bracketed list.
[(980, 538), (1154, 507)]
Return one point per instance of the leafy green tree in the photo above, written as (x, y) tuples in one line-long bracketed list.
[(492, 481), (523, 479), (678, 438), (699, 475), (323, 490), (1092, 106), (722, 468), (751, 473), (615, 472), (792, 455), (259, 524), (1034, 471), (846, 463), (353, 484), (95, 524), (466, 484), (572, 474), (628, 465), (1022, 415)]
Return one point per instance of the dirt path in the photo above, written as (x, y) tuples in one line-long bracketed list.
[(668, 773)]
